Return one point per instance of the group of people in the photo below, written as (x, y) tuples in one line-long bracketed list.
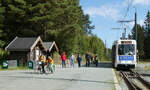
[(71, 60), (49, 62), (43, 61), (90, 58)]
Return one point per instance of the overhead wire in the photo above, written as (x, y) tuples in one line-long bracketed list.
[(127, 10), (129, 5)]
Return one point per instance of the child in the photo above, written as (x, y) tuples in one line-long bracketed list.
[(68, 63), (51, 63)]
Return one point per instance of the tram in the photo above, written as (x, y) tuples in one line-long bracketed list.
[(124, 54)]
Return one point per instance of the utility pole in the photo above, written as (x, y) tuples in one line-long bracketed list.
[(136, 26), (105, 47), (124, 34)]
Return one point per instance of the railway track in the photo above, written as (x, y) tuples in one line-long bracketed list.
[(135, 81)]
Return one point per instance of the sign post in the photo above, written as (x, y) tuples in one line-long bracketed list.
[(5, 65), (30, 64)]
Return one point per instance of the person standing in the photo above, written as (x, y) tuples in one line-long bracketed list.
[(43, 60), (88, 57), (63, 58), (96, 60), (68, 63), (72, 59), (50, 62), (79, 59)]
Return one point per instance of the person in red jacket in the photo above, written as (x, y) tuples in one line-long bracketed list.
[(63, 58)]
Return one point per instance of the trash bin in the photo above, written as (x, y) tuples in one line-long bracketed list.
[(5, 65), (30, 64)]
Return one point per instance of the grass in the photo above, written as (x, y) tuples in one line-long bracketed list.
[(16, 68), (0, 67), (147, 68), (57, 58), (117, 76), (144, 61), (113, 87), (118, 79)]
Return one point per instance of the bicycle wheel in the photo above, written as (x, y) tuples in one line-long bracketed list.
[(54, 67), (47, 69), (39, 69)]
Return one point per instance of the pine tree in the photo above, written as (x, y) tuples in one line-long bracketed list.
[(147, 36), (87, 24), (140, 39), (147, 24), (2, 43), (62, 21)]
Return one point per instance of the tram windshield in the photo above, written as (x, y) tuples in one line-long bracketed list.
[(126, 49)]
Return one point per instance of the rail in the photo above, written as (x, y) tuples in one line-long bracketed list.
[(128, 76), (141, 79)]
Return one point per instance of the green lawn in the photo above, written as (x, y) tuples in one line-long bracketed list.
[(147, 68), (17, 68), (144, 61)]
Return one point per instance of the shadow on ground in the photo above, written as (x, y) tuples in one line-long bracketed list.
[(60, 79), (101, 65), (36, 72)]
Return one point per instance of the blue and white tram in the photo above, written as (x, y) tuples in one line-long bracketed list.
[(124, 54)]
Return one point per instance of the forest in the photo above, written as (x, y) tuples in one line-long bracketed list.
[(143, 38), (62, 21)]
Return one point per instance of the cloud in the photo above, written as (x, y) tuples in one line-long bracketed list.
[(141, 22), (142, 2), (113, 11), (105, 11), (131, 24), (135, 2)]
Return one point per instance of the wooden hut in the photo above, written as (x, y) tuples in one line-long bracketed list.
[(51, 48), (25, 49)]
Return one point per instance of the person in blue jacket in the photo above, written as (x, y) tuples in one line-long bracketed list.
[(87, 57), (79, 59)]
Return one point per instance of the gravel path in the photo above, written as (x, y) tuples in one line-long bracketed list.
[(100, 78)]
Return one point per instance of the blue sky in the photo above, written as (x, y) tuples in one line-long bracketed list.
[(104, 14)]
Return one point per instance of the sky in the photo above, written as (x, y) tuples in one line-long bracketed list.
[(105, 14)]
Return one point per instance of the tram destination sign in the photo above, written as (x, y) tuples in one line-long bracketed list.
[(126, 42)]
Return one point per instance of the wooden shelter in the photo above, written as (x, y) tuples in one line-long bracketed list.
[(51, 48), (24, 49)]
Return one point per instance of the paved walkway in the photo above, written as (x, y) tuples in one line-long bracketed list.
[(91, 78)]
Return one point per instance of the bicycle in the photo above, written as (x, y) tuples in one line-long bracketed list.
[(50, 68), (38, 67), (47, 68)]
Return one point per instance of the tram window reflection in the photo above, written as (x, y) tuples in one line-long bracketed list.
[(126, 49)]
